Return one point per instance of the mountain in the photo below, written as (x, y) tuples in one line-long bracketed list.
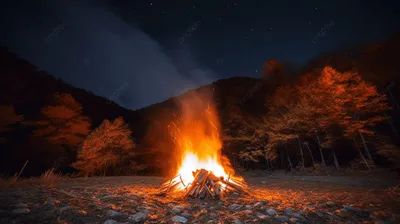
[(240, 102)]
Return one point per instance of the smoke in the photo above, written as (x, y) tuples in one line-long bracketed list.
[(90, 47)]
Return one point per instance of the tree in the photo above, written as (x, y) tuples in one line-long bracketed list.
[(280, 124), (341, 100), (8, 117), (272, 69), (105, 147), (361, 104), (62, 123)]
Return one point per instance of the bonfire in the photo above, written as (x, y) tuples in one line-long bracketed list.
[(202, 171)]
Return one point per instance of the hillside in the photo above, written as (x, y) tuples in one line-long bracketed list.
[(240, 102)]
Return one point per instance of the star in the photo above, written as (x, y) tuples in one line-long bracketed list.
[(256, 70), (220, 18), (194, 6), (151, 3), (315, 8), (309, 22), (251, 30)]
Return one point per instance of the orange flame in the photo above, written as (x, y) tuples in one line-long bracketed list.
[(198, 143)]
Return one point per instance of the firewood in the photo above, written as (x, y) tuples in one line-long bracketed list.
[(202, 176), (193, 192), (215, 188), (236, 188), (198, 188), (202, 193), (208, 190)]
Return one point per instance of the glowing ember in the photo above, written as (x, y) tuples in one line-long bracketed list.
[(199, 149)]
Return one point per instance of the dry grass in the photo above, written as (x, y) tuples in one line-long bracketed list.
[(49, 177)]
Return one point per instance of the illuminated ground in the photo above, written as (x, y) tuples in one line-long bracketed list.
[(114, 200)]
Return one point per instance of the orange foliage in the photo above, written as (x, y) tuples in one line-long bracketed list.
[(63, 122), (105, 147), (320, 102)]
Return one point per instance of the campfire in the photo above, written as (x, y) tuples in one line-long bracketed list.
[(202, 171)]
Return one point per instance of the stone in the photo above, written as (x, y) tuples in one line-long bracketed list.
[(261, 216), (236, 220), (110, 221), (282, 218), (294, 220), (65, 208), (21, 205), (138, 217), (112, 213), (175, 211), (213, 215), (248, 207), (289, 211), (179, 219), (330, 203), (21, 211), (258, 204), (344, 213), (108, 196), (186, 215), (235, 207), (270, 212), (350, 208), (297, 215)]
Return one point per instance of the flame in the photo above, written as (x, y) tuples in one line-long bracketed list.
[(198, 143)]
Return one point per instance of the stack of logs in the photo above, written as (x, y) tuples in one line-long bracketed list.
[(205, 184)]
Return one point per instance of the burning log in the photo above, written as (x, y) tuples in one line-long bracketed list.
[(204, 184)]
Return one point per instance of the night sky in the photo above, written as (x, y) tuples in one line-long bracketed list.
[(142, 52)]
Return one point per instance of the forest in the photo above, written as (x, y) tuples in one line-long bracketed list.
[(340, 110)]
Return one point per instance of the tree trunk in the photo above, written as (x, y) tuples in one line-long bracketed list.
[(365, 146), (362, 156), (394, 99), (312, 157), (335, 160), (301, 153), (267, 165), (288, 157), (391, 124), (320, 151)]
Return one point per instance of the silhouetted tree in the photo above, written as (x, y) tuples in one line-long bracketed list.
[(105, 147), (63, 123), (272, 70), (8, 117)]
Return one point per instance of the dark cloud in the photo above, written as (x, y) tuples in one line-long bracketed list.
[(94, 49)]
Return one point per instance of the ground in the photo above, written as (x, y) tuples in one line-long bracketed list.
[(276, 198)]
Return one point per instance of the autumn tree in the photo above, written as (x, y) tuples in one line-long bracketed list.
[(364, 108), (63, 122), (280, 124), (333, 99), (8, 117), (320, 106), (105, 147)]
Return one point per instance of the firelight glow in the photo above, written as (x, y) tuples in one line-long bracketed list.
[(199, 145)]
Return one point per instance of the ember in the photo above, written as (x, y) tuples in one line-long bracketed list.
[(201, 168)]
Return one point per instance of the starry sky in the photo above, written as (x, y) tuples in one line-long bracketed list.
[(137, 53)]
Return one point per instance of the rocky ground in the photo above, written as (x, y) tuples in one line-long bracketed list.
[(112, 200)]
